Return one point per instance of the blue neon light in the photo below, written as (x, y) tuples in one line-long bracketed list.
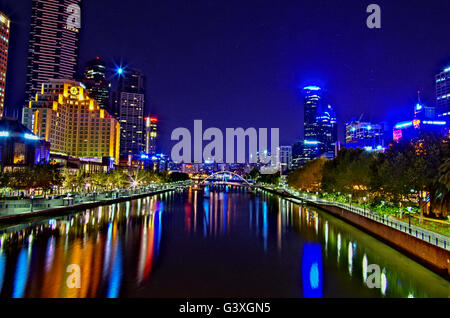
[(312, 88), (309, 142), (403, 124), (434, 122), (4, 134)]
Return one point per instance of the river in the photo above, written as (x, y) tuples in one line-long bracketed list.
[(223, 242)]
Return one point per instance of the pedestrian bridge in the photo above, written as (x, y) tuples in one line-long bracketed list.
[(223, 178)]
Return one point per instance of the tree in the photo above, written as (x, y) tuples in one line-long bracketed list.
[(308, 177)]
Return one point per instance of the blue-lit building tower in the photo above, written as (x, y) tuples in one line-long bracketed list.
[(312, 101), (320, 126)]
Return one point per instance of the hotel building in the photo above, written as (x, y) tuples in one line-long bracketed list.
[(74, 124)]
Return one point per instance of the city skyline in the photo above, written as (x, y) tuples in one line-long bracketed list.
[(259, 83), (250, 149)]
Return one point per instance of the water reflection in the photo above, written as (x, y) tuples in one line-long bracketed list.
[(312, 276), (136, 248)]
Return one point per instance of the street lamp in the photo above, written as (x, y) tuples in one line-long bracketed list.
[(350, 199), (409, 218), (364, 204)]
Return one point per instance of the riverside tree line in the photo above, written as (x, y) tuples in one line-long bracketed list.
[(407, 176), (51, 179)]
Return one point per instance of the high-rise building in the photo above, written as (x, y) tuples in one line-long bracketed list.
[(443, 94), (327, 128), (4, 44), (128, 107), (53, 44), (312, 101), (74, 124), (364, 135), (151, 133), (320, 126), (96, 84)]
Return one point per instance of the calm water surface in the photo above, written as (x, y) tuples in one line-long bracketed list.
[(218, 243)]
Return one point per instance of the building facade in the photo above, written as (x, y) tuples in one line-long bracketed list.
[(286, 158), (19, 146), (53, 44), (4, 45), (96, 83), (364, 135), (74, 124), (443, 94)]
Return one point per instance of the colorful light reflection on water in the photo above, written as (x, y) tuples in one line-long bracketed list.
[(220, 242)]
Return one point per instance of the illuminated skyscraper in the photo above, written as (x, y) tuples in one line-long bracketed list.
[(312, 101), (128, 107), (151, 133), (4, 44), (74, 124), (320, 126), (96, 83), (327, 127), (53, 44), (443, 94)]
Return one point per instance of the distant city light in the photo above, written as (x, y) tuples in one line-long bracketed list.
[(418, 107), (447, 69), (31, 137), (309, 142), (120, 71), (434, 122), (4, 134), (312, 88), (403, 124)]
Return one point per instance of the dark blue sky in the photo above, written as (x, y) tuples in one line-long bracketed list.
[(241, 62)]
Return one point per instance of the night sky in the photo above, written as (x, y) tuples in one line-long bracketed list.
[(242, 63)]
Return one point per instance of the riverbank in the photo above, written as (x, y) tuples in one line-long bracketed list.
[(429, 254), (61, 210)]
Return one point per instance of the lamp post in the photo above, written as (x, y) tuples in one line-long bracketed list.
[(409, 218), (350, 199), (364, 205)]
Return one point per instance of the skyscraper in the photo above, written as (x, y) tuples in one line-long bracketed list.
[(74, 124), (327, 127), (95, 81), (312, 101), (4, 44), (151, 133), (53, 44), (128, 107), (443, 94), (320, 126)]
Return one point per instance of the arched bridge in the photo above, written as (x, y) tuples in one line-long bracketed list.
[(220, 177)]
